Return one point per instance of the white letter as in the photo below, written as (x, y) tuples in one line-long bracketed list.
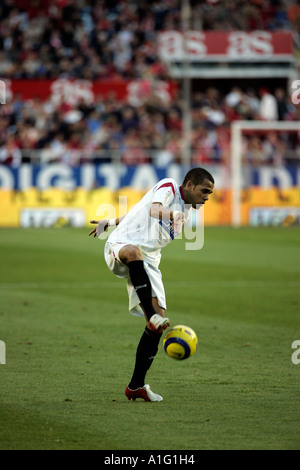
[(2, 353)]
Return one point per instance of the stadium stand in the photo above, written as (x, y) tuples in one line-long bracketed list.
[(115, 40)]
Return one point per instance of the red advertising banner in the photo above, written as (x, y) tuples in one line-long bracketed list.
[(226, 46), (134, 92)]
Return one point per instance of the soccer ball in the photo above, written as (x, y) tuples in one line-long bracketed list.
[(180, 342)]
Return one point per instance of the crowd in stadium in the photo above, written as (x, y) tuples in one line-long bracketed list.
[(106, 39), (103, 38)]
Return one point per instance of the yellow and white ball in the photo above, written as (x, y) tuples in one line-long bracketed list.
[(180, 342)]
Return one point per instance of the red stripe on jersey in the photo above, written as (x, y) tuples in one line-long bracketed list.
[(167, 185)]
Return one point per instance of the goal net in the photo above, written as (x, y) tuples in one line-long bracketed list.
[(265, 173)]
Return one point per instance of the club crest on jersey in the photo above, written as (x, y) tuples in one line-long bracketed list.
[(168, 194)]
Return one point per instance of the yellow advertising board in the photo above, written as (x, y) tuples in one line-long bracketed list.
[(58, 207)]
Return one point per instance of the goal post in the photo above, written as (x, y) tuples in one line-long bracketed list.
[(237, 129)]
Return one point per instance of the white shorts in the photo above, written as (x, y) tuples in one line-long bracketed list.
[(111, 254)]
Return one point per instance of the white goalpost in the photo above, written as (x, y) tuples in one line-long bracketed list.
[(237, 128)]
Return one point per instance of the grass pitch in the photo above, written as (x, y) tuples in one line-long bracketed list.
[(70, 345)]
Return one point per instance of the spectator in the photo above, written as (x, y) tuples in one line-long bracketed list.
[(268, 105), (282, 104), (253, 151), (104, 39), (134, 153), (174, 120), (234, 97), (253, 103), (10, 153), (48, 39)]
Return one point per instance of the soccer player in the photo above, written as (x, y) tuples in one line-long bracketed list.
[(133, 252)]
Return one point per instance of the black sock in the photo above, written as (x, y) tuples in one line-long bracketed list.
[(142, 285), (146, 352)]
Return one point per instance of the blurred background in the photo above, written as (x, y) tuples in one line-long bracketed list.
[(101, 99)]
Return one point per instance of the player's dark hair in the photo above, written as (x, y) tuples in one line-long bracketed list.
[(197, 176)]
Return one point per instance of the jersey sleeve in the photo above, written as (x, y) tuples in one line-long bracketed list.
[(164, 194)]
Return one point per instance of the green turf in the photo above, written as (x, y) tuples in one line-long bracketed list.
[(71, 345)]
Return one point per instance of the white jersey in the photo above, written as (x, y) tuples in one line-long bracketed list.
[(151, 234)]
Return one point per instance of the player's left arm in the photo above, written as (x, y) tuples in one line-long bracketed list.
[(102, 225)]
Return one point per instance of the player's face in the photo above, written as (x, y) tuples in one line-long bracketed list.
[(198, 195)]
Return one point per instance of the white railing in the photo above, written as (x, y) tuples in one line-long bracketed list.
[(136, 156), (130, 157)]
